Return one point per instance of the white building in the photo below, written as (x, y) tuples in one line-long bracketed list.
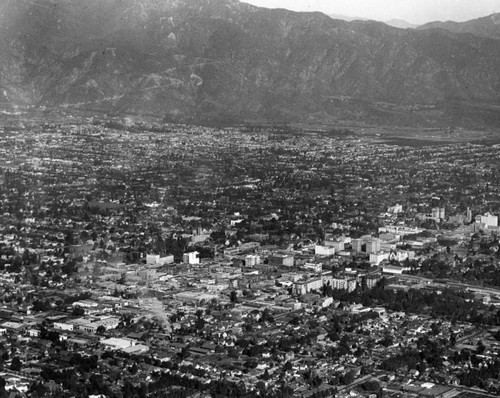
[(402, 255), (32, 332), (344, 283), (394, 269), (395, 209), (338, 244), (367, 244), (489, 220), (399, 230), (377, 258), (320, 250), (152, 259), (438, 213), (116, 343), (315, 267), (252, 260), (191, 258), (307, 286), (373, 245), (91, 325), (156, 259), (63, 326), (85, 304)]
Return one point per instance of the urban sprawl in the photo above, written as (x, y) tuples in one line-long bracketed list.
[(142, 259)]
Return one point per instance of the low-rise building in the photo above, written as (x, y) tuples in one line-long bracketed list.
[(320, 250), (305, 287), (191, 258)]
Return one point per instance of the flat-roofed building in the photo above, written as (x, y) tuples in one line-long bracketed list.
[(278, 260), (305, 287), (191, 258), (320, 250), (344, 283)]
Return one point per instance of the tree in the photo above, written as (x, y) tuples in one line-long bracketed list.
[(233, 296), (133, 369), (3, 391), (78, 311), (371, 385), (200, 323), (100, 329), (348, 378), (70, 267), (16, 364), (123, 279), (16, 264), (453, 339), (480, 347), (435, 329), (40, 306), (267, 316), (39, 389), (261, 386), (287, 366)]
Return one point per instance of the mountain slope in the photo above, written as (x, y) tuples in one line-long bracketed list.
[(225, 59), (484, 27)]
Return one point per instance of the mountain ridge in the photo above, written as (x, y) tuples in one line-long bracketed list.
[(488, 27), (192, 59)]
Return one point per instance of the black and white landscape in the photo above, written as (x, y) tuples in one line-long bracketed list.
[(205, 198)]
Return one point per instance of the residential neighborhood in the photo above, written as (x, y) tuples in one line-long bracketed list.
[(144, 259)]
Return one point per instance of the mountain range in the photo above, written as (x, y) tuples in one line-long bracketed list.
[(227, 61), (488, 27)]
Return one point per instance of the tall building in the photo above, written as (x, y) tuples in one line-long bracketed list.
[(252, 260), (373, 245), (438, 213), (357, 245), (277, 260), (366, 244), (344, 283), (468, 216)]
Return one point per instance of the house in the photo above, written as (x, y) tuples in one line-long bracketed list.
[(33, 332), (164, 356), (63, 326)]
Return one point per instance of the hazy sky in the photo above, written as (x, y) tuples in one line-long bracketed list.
[(413, 11)]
